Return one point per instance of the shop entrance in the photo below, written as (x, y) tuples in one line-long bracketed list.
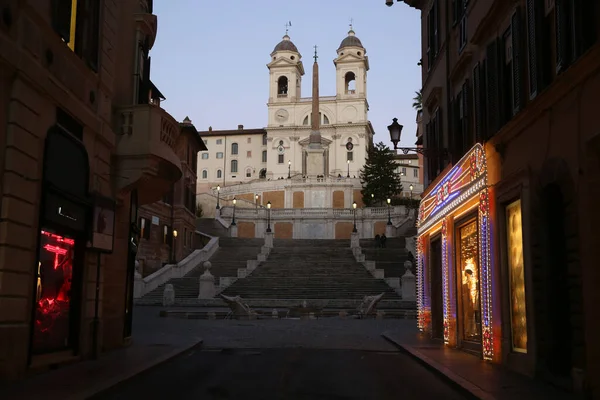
[(468, 280), (437, 299), (558, 356), (64, 222)]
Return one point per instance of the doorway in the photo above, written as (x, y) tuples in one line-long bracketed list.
[(558, 354), (437, 298), (468, 275)]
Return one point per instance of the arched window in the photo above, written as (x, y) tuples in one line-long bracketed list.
[(282, 86), (305, 122), (219, 173), (325, 120), (204, 174), (234, 167), (350, 80), (248, 173), (234, 148)]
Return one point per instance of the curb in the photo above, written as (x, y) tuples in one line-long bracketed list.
[(111, 383), (466, 387)]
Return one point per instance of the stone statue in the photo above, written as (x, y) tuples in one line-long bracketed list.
[(237, 307), (368, 304)]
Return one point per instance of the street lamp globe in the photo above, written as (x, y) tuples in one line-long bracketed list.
[(255, 197), (175, 233), (268, 204), (290, 162), (218, 188), (234, 201), (395, 132), (354, 205), (389, 201), (411, 187)]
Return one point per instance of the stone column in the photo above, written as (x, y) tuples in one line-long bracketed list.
[(269, 239), (409, 287), (233, 231), (354, 240), (207, 283)]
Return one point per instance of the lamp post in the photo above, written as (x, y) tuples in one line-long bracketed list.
[(348, 162), (411, 187), (396, 132), (256, 201), (233, 219), (218, 192), (389, 202), (269, 217), (289, 169), (173, 246), (354, 230), (372, 199)]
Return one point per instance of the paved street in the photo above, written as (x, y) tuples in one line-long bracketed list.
[(286, 359), (286, 374)]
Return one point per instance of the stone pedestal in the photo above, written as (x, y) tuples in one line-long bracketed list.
[(409, 287), (408, 265), (168, 295), (315, 161), (354, 240), (269, 239), (207, 283), (233, 231), (389, 231)]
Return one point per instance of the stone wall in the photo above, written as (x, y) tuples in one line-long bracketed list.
[(298, 200), (276, 198)]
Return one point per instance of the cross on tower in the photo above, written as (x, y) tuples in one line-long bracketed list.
[(287, 26), (351, 23), (316, 56)]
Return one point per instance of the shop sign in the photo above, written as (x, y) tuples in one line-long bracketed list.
[(103, 224)]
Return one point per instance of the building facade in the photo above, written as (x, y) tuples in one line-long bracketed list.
[(411, 173), (279, 150), (85, 142), (167, 227), (507, 259)]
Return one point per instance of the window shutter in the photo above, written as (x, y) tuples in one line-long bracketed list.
[(477, 102), (561, 10), (517, 61), (492, 85), (61, 18), (532, 48)]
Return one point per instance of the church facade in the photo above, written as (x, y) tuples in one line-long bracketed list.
[(254, 157)]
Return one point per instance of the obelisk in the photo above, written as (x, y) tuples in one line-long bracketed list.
[(315, 162)]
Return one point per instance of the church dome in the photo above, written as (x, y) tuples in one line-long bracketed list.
[(351, 41), (286, 45)]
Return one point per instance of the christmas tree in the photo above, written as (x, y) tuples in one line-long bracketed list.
[(379, 177)]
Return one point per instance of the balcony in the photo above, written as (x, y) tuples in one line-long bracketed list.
[(146, 158)]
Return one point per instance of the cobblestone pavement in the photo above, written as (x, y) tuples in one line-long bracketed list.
[(327, 333), (287, 374), (284, 359)]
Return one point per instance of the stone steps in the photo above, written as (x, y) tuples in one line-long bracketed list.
[(211, 227)]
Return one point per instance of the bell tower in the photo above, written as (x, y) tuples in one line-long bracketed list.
[(351, 67), (285, 73)]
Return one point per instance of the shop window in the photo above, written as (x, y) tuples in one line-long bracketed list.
[(469, 281), (516, 271), (144, 228), (54, 295)]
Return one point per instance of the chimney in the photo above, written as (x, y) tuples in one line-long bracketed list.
[(210, 128), (240, 127)]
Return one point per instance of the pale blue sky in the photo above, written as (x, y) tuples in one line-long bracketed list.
[(210, 56)]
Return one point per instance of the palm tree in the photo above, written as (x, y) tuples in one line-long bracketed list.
[(417, 103)]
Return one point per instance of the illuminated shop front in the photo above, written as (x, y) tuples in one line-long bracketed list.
[(63, 235), (454, 263)]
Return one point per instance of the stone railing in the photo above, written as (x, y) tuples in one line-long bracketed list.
[(145, 285), (282, 184), (329, 213)]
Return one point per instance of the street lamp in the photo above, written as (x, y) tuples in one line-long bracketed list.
[(354, 207), (269, 216), (218, 191), (233, 219), (396, 132), (372, 199), (348, 162), (289, 169), (389, 201), (411, 187), (256, 201), (173, 246)]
